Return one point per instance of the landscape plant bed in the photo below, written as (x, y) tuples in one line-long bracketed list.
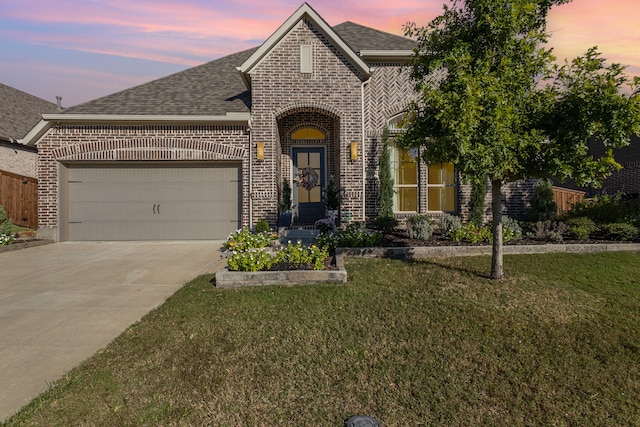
[(23, 244), (334, 272), (400, 238)]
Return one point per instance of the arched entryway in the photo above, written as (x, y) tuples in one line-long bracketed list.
[(309, 153)]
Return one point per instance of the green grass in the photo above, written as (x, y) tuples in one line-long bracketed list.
[(409, 343)]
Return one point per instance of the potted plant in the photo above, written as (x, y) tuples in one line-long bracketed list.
[(332, 199), (285, 204)]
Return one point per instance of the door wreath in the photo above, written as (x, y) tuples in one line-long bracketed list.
[(307, 178)]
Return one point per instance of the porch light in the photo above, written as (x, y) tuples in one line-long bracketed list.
[(260, 150), (354, 150)]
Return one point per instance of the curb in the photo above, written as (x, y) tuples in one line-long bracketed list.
[(421, 252)]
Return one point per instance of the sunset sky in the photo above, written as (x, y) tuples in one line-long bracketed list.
[(84, 49)]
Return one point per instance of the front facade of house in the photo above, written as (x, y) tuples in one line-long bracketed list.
[(198, 154)]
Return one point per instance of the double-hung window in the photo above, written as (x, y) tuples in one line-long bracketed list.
[(404, 167), (441, 188)]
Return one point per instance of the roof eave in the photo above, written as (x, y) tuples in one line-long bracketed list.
[(50, 120)]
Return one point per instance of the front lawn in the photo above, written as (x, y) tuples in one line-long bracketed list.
[(409, 343)]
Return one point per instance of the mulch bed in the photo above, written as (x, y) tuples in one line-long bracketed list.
[(400, 239)]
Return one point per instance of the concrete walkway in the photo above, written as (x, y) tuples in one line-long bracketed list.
[(60, 303)]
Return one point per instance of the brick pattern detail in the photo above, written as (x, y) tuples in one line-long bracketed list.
[(283, 99), (516, 198), (17, 160), (626, 180), (124, 143)]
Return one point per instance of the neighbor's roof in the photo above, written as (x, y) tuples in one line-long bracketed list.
[(19, 112), (216, 87)]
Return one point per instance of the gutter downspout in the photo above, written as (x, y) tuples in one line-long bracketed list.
[(364, 156)]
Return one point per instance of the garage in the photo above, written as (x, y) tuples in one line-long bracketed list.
[(150, 201)]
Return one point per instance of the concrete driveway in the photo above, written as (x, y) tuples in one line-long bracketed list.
[(60, 303)]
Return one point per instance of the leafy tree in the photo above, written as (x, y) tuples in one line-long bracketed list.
[(492, 100)]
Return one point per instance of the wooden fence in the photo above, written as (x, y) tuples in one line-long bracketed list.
[(19, 197), (565, 198)]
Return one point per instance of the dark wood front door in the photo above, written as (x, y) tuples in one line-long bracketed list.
[(308, 170)]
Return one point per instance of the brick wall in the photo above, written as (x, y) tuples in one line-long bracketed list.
[(17, 159), (283, 97), (132, 143), (626, 180)]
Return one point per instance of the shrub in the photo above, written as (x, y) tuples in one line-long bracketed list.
[(543, 207), (354, 235), (285, 198), (250, 260), (298, 257), (606, 209), (476, 203), (243, 240), (6, 226), (6, 239), (469, 232), (549, 231), (419, 227), (385, 224), (325, 225), (511, 229), (332, 197), (291, 257), (449, 224), (385, 191), (262, 226), (619, 231), (580, 228)]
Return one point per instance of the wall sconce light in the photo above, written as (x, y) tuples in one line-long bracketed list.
[(260, 150), (354, 150)]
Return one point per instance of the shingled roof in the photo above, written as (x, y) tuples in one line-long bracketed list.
[(216, 87), (19, 112)]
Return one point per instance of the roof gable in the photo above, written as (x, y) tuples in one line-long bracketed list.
[(216, 88), (304, 12), (19, 112)]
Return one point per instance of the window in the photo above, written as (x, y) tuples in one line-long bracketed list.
[(404, 168), (307, 133), (306, 59), (441, 187)]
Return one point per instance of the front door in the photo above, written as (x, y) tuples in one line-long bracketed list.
[(308, 173)]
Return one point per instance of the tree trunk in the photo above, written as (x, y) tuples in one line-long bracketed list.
[(496, 209)]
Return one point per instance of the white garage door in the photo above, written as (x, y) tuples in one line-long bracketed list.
[(152, 201)]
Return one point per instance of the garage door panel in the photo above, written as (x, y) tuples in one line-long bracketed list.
[(152, 201)]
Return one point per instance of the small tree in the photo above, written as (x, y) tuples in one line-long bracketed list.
[(543, 207), (476, 203), (285, 198), (385, 193), (491, 100), (332, 197)]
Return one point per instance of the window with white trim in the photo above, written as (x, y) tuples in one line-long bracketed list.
[(404, 169)]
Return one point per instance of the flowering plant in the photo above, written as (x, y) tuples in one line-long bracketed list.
[(243, 239), (6, 239), (326, 225)]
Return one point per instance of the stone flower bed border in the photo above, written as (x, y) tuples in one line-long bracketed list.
[(234, 279)]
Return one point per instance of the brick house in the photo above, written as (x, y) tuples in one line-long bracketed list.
[(19, 112), (200, 153)]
